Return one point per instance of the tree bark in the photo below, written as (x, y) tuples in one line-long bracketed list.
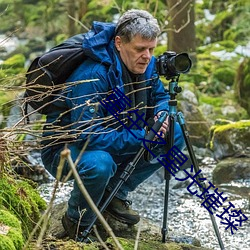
[(71, 6), (181, 27), (83, 8)]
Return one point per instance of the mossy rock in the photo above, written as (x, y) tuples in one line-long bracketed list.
[(11, 237), (150, 235), (128, 244), (22, 200), (230, 139)]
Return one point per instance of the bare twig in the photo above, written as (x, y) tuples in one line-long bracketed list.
[(99, 238), (77, 21), (137, 236), (67, 155)]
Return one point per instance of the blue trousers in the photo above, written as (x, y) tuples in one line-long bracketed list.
[(100, 170)]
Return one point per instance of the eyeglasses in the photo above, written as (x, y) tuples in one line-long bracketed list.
[(124, 24)]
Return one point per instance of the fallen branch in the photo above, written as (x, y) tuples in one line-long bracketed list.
[(65, 154)]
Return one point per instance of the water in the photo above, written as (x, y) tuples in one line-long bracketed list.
[(186, 216)]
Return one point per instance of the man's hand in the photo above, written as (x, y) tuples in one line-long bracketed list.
[(165, 126)]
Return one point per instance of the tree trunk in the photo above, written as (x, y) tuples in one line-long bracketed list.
[(71, 6), (83, 7), (181, 27)]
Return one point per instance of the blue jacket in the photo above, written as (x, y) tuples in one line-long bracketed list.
[(86, 117)]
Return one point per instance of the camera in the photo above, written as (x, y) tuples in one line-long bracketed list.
[(171, 65)]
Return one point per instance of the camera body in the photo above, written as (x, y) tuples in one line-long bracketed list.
[(171, 65)]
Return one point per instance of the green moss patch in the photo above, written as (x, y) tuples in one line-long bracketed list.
[(231, 134), (22, 200), (128, 244), (10, 231)]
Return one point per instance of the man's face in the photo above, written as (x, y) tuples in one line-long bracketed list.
[(137, 53)]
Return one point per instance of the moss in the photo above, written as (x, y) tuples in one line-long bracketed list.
[(9, 219), (21, 199), (16, 237), (174, 246), (13, 239), (221, 132), (91, 247), (6, 243), (235, 125), (13, 71), (16, 61), (229, 45), (128, 244), (214, 101), (225, 75)]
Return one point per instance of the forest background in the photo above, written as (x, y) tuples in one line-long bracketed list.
[(214, 33)]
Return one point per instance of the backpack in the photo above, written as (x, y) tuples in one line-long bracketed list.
[(47, 74)]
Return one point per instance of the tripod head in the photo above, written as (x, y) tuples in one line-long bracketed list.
[(174, 89)]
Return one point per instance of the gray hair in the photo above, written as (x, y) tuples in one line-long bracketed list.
[(137, 22)]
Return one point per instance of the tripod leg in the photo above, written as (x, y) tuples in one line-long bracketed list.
[(164, 229), (181, 121), (128, 170), (169, 145)]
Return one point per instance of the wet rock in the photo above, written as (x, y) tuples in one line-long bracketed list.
[(150, 235), (230, 139), (231, 169)]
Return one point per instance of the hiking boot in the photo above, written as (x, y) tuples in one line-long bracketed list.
[(75, 231), (121, 211)]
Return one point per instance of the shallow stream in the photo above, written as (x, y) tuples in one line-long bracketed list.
[(186, 216)]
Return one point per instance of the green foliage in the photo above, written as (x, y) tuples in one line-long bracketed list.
[(13, 238), (6, 243), (221, 23), (60, 38), (219, 102), (214, 101), (17, 61), (224, 75), (12, 67), (229, 23), (221, 132), (216, 67), (242, 84), (160, 49), (22, 200)]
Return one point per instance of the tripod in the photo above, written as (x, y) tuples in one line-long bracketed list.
[(173, 90), (129, 169)]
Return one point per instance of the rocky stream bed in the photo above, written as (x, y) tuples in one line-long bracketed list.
[(187, 219)]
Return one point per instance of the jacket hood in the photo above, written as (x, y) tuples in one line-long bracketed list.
[(98, 43)]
